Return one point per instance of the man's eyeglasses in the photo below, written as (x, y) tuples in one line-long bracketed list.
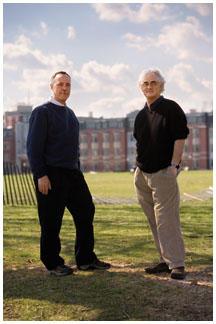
[(151, 84)]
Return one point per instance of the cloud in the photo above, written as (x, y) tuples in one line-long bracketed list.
[(136, 103), (10, 67), (36, 82), (184, 79), (208, 84), (23, 47), (204, 9), (115, 106), (140, 43), (44, 27), (184, 39), (107, 107), (183, 76), (94, 77), (119, 12), (38, 66), (71, 32)]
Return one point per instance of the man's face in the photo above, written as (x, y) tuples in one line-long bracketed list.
[(61, 88), (151, 88)]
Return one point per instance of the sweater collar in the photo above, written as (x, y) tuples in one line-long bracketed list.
[(55, 102)]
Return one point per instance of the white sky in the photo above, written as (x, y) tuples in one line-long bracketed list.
[(104, 47)]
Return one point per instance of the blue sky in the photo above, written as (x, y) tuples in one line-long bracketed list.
[(104, 47)]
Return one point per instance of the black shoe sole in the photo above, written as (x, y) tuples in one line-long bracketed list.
[(60, 274), (94, 267), (157, 271), (178, 277)]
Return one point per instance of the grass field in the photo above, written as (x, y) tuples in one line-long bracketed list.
[(122, 237), (121, 184), (20, 189)]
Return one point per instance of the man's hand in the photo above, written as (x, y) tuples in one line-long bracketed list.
[(44, 185), (175, 171)]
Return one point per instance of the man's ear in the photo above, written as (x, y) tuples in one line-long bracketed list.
[(51, 86)]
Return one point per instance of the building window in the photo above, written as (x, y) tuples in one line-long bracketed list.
[(117, 137), (106, 167), (196, 133), (117, 151), (95, 167), (106, 137), (113, 123), (196, 164), (196, 148), (95, 152), (131, 151), (131, 123), (83, 152), (94, 138), (6, 146), (83, 138), (117, 167), (105, 152)]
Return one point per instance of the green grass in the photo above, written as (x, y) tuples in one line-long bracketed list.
[(122, 237), (120, 184), (124, 227), (115, 184)]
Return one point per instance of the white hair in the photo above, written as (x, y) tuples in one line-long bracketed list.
[(156, 72)]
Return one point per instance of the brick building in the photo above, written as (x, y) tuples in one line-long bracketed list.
[(102, 144), (9, 145), (15, 134), (198, 153), (107, 144)]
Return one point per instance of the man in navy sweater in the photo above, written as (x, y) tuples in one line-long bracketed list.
[(53, 152)]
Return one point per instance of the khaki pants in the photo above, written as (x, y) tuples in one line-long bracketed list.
[(158, 194)]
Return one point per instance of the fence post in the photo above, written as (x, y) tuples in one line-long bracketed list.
[(5, 185), (13, 183), (22, 186), (18, 184), (28, 185), (9, 184)]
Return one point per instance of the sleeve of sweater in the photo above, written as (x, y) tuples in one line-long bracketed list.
[(36, 141)]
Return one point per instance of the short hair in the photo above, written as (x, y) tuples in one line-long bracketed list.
[(59, 72), (154, 71)]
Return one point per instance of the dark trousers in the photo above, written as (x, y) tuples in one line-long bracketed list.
[(70, 190)]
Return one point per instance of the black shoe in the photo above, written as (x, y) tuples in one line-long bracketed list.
[(61, 270), (178, 273), (161, 267), (96, 264)]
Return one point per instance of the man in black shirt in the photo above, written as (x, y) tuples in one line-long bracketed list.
[(53, 152), (160, 130)]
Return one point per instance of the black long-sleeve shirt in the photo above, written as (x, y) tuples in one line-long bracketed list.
[(53, 138), (156, 129)]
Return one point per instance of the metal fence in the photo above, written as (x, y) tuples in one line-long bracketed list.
[(18, 186)]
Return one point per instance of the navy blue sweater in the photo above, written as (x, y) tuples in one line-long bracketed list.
[(53, 138)]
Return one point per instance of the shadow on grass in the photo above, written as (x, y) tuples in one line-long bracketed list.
[(117, 294)]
